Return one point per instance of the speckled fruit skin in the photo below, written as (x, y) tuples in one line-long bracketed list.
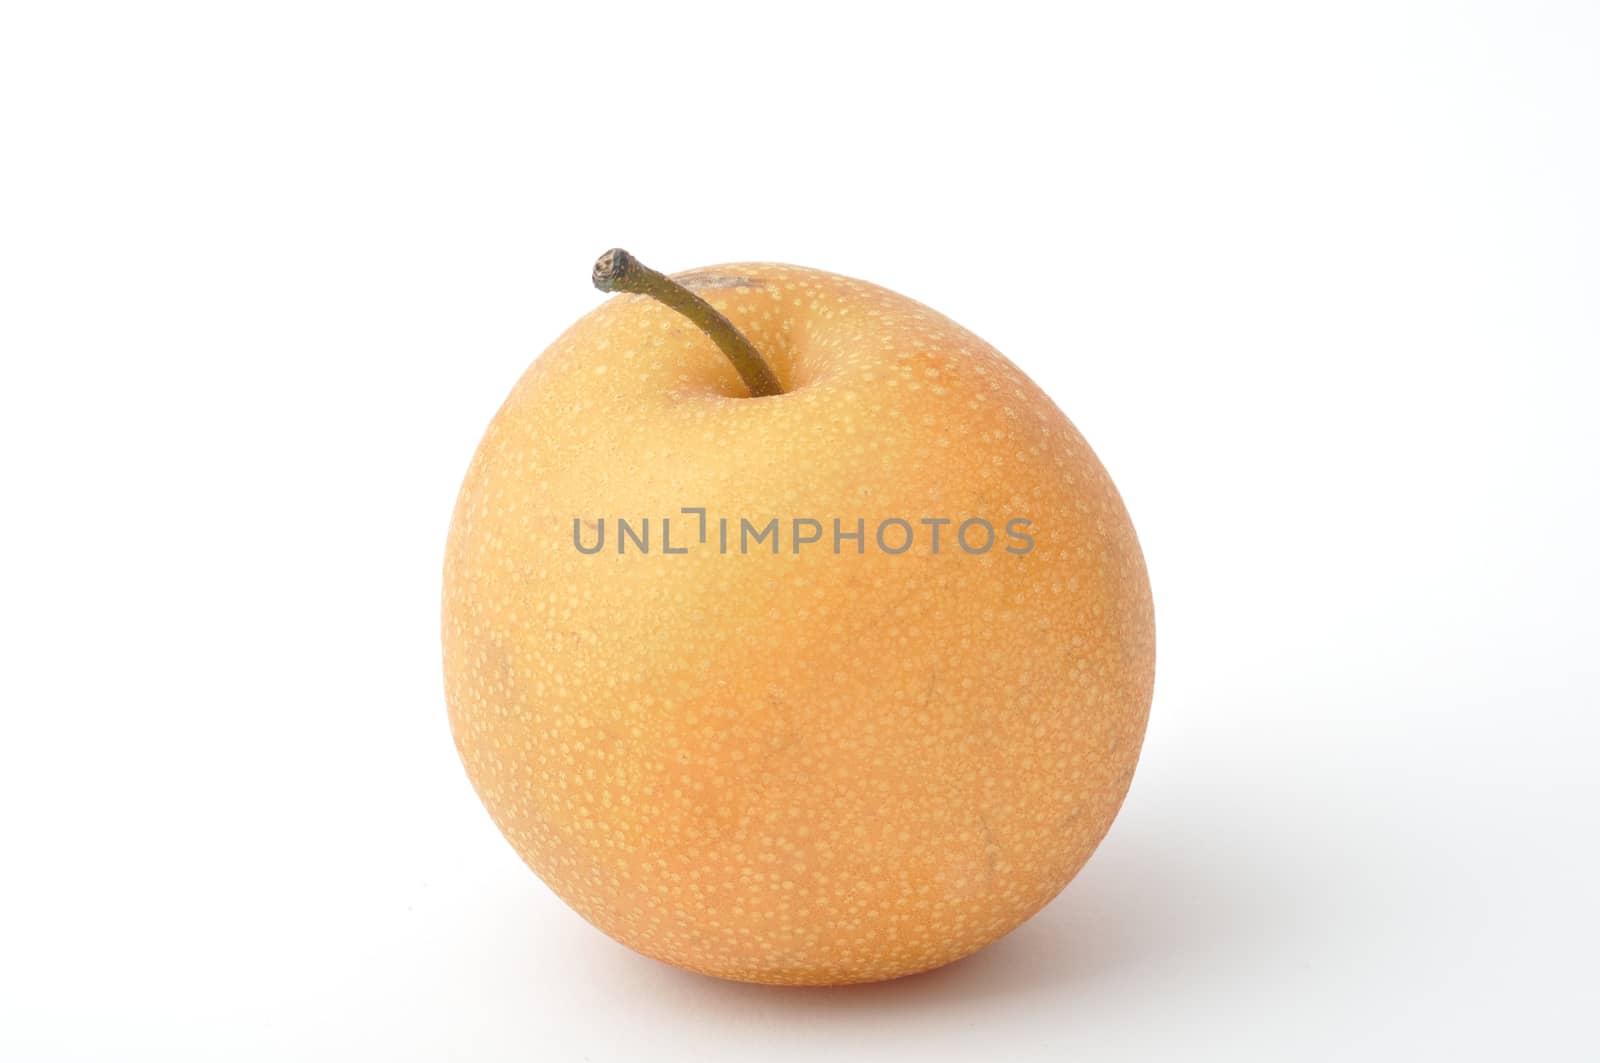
[(804, 768)]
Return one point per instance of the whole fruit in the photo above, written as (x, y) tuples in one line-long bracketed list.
[(821, 758)]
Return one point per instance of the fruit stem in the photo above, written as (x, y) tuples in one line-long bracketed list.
[(618, 271)]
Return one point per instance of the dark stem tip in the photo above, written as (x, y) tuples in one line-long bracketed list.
[(611, 268)]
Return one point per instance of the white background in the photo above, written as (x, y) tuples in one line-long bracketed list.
[(1319, 282)]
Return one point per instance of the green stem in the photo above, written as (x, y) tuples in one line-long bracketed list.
[(618, 271)]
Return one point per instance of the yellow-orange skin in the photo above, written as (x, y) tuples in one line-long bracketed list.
[(797, 768)]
